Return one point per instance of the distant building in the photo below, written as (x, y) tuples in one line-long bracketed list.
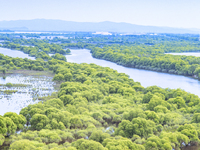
[(103, 33)]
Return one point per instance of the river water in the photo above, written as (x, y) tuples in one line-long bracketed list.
[(14, 53), (145, 77), (186, 54)]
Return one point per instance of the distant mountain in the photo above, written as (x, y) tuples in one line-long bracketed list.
[(60, 25)]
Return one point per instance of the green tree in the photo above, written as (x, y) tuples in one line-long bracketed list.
[(39, 121), (18, 120), (99, 136), (83, 144)]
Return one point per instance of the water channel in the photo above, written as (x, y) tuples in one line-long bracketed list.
[(186, 54), (145, 77), (15, 53)]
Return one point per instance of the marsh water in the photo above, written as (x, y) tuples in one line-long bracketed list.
[(27, 91)]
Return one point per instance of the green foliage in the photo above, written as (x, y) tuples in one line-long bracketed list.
[(26, 145), (59, 57), (138, 126), (99, 136), (190, 131), (156, 143), (39, 121), (3, 129), (101, 105), (10, 125), (2, 138), (83, 144), (9, 84), (18, 120), (118, 143)]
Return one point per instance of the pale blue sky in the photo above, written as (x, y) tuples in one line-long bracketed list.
[(171, 13)]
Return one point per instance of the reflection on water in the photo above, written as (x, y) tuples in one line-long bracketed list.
[(24, 95)]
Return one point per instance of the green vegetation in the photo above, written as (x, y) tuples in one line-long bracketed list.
[(99, 108), (8, 91), (14, 85), (150, 58)]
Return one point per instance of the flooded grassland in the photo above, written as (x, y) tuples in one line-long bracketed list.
[(21, 88)]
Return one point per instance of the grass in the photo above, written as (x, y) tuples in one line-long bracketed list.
[(53, 95), (14, 85), (30, 73), (9, 91)]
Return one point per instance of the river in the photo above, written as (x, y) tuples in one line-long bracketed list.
[(14, 53), (186, 54), (145, 77)]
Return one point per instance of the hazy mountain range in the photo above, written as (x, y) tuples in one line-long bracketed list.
[(60, 25)]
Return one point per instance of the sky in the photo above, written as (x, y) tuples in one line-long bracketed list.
[(168, 13)]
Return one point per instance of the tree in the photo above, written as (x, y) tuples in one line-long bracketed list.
[(119, 143), (138, 126), (58, 77), (18, 120), (83, 144), (3, 129), (56, 102), (156, 143), (196, 118), (68, 51), (26, 145), (2, 138), (75, 122), (68, 77), (67, 99), (39, 121), (99, 136), (10, 125)]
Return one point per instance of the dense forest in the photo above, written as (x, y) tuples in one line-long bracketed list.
[(97, 108)]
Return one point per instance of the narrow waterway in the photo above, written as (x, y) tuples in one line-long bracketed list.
[(197, 54)]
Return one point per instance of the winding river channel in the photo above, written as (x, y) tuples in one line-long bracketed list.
[(145, 77)]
